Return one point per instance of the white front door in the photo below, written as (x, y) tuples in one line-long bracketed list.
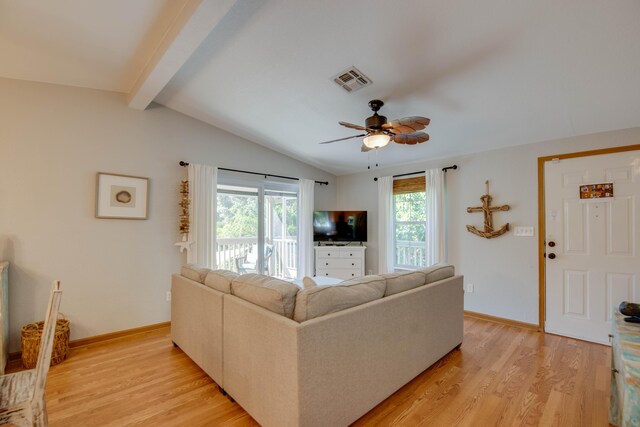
[(592, 261)]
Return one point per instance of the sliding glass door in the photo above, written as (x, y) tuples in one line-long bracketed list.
[(237, 228), (281, 233), (257, 228)]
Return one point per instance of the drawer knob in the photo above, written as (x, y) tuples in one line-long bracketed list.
[(352, 263), (326, 274), (326, 263), (350, 254)]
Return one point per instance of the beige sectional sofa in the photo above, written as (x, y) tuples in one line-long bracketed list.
[(318, 356)]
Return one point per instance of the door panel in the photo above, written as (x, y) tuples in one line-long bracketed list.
[(619, 288), (575, 229), (595, 263), (620, 227), (575, 293)]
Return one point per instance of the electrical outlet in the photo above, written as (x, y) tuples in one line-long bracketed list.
[(168, 296), (469, 287)]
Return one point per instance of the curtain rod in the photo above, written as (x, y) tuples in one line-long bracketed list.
[(182, 163), (454, 167)]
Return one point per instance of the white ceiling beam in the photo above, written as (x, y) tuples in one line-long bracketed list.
[(188, 31)]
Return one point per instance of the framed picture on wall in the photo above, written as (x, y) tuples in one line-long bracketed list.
[(122, 196)]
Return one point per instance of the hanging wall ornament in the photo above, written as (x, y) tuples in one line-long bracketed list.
[(488, 211), (184, 244)]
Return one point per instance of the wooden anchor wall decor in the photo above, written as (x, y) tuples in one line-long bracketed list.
[(488, 211)]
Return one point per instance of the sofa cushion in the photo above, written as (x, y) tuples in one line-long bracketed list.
[(220, 280), (320, 300), (438, 272), (194, 272), (268, 292), (403, 281)]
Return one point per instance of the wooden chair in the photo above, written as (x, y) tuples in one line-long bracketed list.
[(22, 399), (248, 263)]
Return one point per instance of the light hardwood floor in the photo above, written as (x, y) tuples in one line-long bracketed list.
[(502, 375)]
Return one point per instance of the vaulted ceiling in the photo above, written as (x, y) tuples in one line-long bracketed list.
[(489, 74)]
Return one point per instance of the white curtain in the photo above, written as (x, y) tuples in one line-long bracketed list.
[(305, 228), (385, 225), (203, 183), (435, 232)]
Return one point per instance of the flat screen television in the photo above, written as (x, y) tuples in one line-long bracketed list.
[(340, 226)]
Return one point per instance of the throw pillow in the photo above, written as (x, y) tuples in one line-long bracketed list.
[(308, 283)]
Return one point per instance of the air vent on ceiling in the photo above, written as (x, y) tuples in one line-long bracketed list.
[(351, 79)]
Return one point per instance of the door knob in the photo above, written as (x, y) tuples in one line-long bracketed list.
[(552, 256), (552, 244)]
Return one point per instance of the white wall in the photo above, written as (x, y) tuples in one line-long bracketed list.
[(114, 273), (503, 270)]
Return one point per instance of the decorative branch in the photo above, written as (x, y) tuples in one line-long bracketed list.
[(184, 205)]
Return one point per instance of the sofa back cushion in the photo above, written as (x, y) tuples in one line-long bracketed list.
[(194, 272), (268, 292), (320, 300), (438, 272), (403, 281), (220, 280)]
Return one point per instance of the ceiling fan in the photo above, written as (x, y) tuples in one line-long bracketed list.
[(379, 132)]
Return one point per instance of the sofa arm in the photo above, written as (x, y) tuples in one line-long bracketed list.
[(196, 324), (261, 362)]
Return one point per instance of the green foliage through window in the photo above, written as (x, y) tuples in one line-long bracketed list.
[(410, 229), (237, 215)]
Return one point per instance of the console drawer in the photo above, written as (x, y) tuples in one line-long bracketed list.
[(340, 273), (339, 263), (339, 253)]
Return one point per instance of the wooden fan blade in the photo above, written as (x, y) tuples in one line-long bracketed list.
[(342, 139), (352, 126), (407, 124), (410, 138)]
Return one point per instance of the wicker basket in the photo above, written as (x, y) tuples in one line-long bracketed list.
[(31, 335)]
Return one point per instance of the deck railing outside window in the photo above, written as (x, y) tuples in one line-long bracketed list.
[(283, 262), (410, 254)]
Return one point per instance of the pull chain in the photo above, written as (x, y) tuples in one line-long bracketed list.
[(369, 158)]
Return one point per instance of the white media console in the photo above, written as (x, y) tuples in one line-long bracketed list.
[(342, 262)]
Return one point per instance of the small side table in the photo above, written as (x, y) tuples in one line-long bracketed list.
[(624, 408)]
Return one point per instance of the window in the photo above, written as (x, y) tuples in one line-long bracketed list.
[(257, 227), (409, 211)]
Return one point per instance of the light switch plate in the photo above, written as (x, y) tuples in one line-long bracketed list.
[(523, 231)]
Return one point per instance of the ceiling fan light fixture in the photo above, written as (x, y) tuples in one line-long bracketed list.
[(376, 140)]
